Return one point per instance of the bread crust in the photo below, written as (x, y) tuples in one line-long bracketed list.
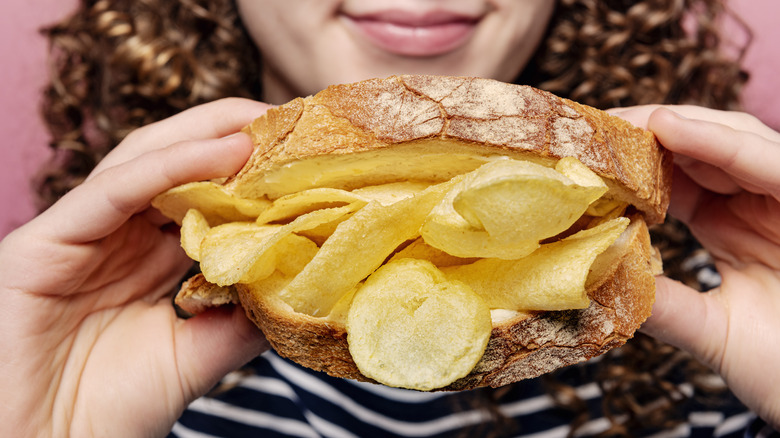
[(483, 116)]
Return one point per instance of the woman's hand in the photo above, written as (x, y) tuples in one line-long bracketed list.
[(727, 190), (90, 344)]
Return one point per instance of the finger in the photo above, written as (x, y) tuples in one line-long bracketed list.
[(102, 204), (212, 120), (708, 176), (214, 343), (690, 320), (686, 196), (749, 158), (640, 114), (636, 115)]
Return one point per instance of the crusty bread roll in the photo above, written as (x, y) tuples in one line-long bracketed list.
[(432, 128)]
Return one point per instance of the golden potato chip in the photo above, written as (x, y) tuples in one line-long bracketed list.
[(607, 209), (552, 278), (581, 174), (606, 263), (289, 264), (338, 314), (385, 194), (229, 251), (289, 255), (236, 252), (194, 227), (297, 204), (410, 327), (418, 249), (293, 253), (504, 208), (270, 285), (212, 199), (391, 193), (320, 233), (358, 246)]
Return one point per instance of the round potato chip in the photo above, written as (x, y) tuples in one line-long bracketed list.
[(409, 327)]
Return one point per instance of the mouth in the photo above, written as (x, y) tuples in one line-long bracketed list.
[(410, 34)]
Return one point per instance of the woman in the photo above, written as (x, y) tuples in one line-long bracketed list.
[(89, 329)]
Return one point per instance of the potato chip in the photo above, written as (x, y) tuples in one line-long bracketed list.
[(293, 253), (338, 314), (607, 209), (504, 208), (194, 227), (289, 264), (581, 174), (358, 246), (296, 204), (229, 251), (552, 278), (391, 193), (418, 249), (212, 199), (236, 252), (270, 285), (321, 233), (410, 327)]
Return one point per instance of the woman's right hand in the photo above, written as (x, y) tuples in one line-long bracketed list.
[(91, 344)]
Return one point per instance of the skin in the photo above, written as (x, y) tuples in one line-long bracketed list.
[(727, 190), (310, 46), (91, 343), (86, 292)]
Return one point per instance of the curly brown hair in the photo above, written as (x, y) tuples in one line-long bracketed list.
[(117, 65)]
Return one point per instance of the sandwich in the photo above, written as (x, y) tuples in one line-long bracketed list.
[(431, 232)]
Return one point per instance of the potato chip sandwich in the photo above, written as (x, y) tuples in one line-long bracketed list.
[(432, 233)]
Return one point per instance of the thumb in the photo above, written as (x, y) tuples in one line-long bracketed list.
[(688, 319), (213, 344)]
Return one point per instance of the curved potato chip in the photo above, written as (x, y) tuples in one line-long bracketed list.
[(418, 249), (236, 252), (552, 278), (212, 199), (581, 174), (293, 253), (194, 228), (391, 193), (359, 246), (340, 310), (410, 327), (297, 204), (229, 251), (504, 208)]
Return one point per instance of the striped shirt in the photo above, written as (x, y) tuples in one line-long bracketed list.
[(278, 398), (281, 399)]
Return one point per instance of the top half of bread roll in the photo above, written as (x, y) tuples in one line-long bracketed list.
[(432, 128)]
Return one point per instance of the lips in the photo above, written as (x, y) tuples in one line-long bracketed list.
[(409, 34)]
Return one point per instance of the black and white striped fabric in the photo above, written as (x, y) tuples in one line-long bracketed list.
[(281, 399)]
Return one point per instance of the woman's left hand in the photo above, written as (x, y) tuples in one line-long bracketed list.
[(727, 190)]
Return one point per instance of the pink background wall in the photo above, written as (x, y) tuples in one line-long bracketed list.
[(22, 75)]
